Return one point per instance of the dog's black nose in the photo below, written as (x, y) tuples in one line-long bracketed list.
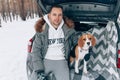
[(88, 43)]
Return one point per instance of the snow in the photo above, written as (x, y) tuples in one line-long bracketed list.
[(14, 38)]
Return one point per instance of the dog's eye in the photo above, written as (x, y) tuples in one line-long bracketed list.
[(84, 39), (90, 38)]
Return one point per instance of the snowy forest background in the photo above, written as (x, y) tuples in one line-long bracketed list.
[(17, 20), (11, 9)]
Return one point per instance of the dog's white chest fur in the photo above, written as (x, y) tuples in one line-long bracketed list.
[(82, 53)]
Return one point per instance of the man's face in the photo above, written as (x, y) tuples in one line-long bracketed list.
[(55, 16)]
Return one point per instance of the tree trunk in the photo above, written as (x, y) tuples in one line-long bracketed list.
[(12, 9), (8, 9), (22, 10), (3, 10)]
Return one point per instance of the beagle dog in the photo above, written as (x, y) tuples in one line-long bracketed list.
[(81, 51)]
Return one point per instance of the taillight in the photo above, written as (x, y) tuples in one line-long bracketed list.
[(118, 60), (30, 45)]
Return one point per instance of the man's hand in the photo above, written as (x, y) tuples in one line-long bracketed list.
[(41, 75)]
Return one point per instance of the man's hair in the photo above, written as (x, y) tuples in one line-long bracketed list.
[(54, 6)]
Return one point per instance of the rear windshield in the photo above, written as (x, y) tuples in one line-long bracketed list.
[(50, 2)]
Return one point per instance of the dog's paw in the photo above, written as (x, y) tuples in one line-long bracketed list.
[(76, 71), (85, 71)]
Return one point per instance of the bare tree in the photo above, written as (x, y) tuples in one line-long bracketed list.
[(8, 9), (3, 10), (11, 9), (22, 10)]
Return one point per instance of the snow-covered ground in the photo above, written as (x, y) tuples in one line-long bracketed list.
[(14, 37)]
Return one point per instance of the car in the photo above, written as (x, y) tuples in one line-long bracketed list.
[(100, 18)]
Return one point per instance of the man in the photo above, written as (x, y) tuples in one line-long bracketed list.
[(52, 44)]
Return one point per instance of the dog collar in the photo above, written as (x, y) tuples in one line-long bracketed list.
[(84, 49)]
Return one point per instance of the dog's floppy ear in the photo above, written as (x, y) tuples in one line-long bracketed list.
[(80, 42), (93, 41)]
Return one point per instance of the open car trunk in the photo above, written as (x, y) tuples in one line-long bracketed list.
[(85, 10), (98, 17), (100, 11)]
